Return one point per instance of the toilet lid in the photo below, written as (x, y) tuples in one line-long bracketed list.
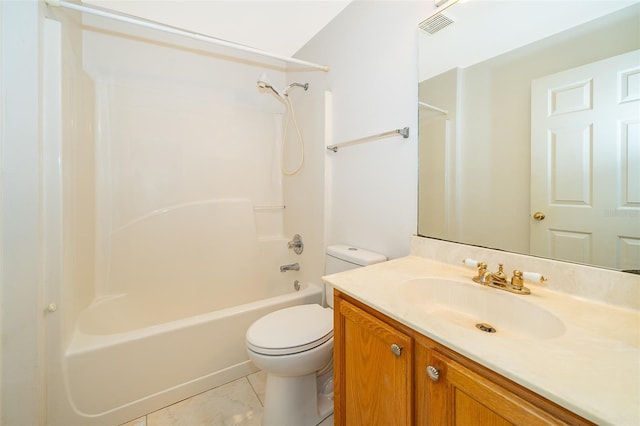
[(291, 330)]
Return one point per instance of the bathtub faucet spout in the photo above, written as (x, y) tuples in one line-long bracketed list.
[(291, 267)]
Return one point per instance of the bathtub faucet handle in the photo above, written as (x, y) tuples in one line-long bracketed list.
[(296, 244)]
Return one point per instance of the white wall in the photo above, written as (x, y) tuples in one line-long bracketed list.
[(22, 400), (371, 50)]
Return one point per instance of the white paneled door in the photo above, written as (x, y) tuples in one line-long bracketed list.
[(585, 163)]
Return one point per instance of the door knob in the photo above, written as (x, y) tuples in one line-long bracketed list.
[(539, 216)]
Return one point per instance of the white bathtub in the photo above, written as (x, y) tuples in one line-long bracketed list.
[(174, 294), (121, 364)]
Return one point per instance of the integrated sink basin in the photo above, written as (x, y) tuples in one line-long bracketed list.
[(469, 304)]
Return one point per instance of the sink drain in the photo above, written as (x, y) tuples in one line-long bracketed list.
[(487, 328)]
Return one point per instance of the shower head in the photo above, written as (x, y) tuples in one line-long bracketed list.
[(285, 92), (265, 83)]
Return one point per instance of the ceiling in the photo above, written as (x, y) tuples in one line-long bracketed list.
[(486, 28), (281, 27), (482, 28)]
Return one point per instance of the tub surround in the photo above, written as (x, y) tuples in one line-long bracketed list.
[(592, 369)]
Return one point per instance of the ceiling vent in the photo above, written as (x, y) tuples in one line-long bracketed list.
[(435, 23)]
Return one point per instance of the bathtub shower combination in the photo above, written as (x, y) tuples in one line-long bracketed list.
[(206, 281), (165, 221)]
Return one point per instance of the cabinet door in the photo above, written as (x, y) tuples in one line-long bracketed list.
[(374, 377), (459, 396)]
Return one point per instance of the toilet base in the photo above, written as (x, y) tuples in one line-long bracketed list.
[(295, 401)]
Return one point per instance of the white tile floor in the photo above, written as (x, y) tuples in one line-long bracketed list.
[(236, 403)]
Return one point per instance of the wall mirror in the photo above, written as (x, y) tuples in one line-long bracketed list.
[(529, 136)]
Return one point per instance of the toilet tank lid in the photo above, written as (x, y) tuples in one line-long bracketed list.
[(355, 255)]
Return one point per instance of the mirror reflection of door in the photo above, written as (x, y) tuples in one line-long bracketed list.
[(585, 163)]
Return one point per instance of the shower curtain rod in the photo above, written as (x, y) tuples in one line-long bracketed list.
[(178, 31)]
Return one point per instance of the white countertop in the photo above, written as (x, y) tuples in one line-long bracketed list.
[(592, 369)]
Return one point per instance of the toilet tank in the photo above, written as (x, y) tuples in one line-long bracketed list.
[(340, 258)]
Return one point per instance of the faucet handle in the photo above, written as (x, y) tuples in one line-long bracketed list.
[(471, 262), (517, 281), (534, 276), (296, 244), (482, 269)]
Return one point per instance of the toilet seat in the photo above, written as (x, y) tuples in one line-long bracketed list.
[(291, 330)]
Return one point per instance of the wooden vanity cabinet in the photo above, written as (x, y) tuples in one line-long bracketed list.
[(373, 367), (375, 384), (465, 393)]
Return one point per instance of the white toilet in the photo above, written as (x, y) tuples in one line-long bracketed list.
[(294, 346)]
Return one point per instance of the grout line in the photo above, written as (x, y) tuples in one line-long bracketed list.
[(146, 416), (254, 390)]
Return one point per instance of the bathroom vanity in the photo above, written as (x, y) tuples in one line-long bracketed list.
[(407, 351), (391, 374)]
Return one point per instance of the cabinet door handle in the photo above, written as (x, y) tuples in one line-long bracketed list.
[(433, 373), (396, 349)]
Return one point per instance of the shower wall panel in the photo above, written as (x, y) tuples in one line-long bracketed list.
[(177, 126), (77, 177)]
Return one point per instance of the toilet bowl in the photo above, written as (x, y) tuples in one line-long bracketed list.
[(291, 345), (294, 346)]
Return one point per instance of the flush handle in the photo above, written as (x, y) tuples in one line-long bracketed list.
[(433, 373), (396, 349)]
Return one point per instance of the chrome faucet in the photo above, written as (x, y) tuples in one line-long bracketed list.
[(290, 267)]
